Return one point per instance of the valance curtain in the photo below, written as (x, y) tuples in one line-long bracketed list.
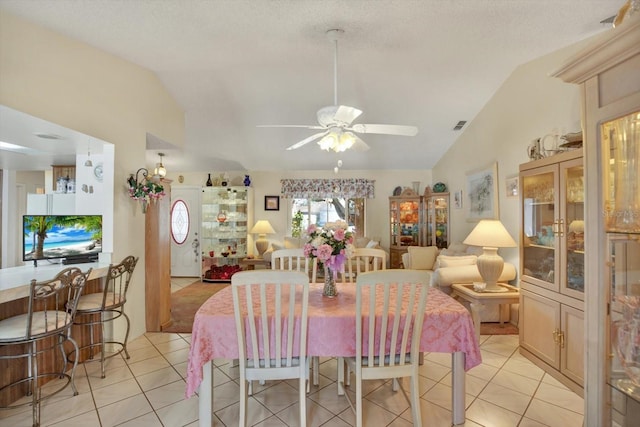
[(323, 188)]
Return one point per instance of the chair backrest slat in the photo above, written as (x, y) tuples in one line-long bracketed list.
[(399, 320)]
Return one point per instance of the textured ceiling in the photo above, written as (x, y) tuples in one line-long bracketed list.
[(233, 65)]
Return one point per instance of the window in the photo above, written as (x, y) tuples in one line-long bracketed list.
[(179, 222), (321, 211)]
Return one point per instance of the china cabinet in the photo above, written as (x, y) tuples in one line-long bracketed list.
[(607, 71), (225, 218), (437, 226), (621, 141), (407, 224), (552, 265)]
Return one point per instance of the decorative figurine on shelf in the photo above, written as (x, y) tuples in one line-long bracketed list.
[(209, 182), (439, 187), (247, 181), (224, 179)]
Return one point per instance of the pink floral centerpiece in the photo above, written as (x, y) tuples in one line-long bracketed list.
[(332, 245)]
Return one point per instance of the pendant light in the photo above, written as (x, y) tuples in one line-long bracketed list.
[(160, 170), (88, 162)]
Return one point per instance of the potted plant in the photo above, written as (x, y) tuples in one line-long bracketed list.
[(296, 225)]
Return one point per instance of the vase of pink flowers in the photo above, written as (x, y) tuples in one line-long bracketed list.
[(332, 244)]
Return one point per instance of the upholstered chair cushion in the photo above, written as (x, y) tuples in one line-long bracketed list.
[(422, 257)]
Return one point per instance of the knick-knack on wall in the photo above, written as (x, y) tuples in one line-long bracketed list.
[(247, 181), (209, 182)]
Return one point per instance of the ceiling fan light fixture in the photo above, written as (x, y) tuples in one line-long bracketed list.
[(337, 140), (328, 142), (347, 139)]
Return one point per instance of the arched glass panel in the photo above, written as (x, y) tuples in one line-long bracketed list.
[(180, 222)]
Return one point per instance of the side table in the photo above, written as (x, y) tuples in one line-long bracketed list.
[(478, 300), (251, 263)]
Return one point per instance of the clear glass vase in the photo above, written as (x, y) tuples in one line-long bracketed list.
[(330, 289)]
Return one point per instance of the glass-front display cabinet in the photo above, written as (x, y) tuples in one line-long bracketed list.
[(225, 218), (621, 140), (406, 216), (437, 220), (553, 223)]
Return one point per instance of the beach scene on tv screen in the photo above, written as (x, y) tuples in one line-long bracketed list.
[(61, 236)]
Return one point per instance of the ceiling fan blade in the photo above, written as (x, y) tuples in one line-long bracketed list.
[(386, 129), (308, 140), (291, 126), (346, 114)]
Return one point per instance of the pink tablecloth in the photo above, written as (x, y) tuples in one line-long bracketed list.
[(447, 328)]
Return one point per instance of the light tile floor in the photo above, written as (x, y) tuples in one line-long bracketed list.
[(148, 390)]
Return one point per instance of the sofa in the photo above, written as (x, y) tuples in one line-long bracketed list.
[(456, 264)]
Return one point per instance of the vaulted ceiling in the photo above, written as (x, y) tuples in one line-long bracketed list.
[(234, 65)]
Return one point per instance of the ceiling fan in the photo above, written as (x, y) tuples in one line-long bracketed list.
[(335, 122)]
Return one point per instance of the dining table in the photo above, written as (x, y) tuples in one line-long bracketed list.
[(447, 328)]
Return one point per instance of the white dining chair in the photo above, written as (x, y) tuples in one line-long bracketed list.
[(290, 260), (271, 350), (396, 326), (294, 260), (364, 260)]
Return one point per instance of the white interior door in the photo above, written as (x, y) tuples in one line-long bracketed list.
[(186, 258)]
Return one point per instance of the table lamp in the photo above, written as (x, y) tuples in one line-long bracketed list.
[(262, 228), (491, 235)]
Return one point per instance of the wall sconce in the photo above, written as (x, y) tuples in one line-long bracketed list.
[(143, 189), (160, 170)]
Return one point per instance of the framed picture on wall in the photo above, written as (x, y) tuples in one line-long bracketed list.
[(511, 184), (482, 194), (457, 199), (271, 203)]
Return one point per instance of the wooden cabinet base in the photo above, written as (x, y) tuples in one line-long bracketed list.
[(576, 388)]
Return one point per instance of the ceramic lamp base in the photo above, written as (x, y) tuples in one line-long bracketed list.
[(261, 245), (490, 266)]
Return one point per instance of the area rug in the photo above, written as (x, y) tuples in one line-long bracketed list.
[(489, 328), (186, 301)]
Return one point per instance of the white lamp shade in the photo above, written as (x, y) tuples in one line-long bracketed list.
[(491, 233), (262, 227)]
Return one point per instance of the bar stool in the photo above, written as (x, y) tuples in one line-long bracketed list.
[(45, 326), (96, 309)]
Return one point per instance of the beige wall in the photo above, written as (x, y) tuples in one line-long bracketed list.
[(58, 79), (530, 104)]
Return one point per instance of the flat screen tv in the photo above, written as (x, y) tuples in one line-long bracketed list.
[(74, 238)]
